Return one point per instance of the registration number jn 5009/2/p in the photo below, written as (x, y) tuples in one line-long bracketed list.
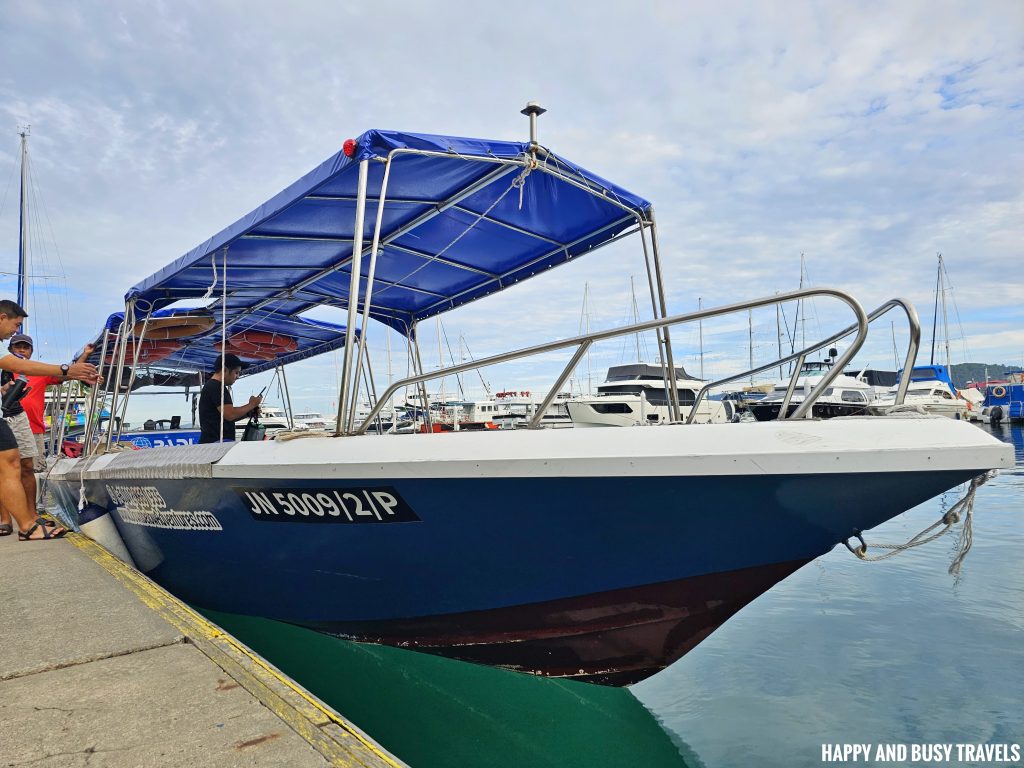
[(327, 505)]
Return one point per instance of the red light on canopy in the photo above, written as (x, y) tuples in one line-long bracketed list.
[(349, 147)]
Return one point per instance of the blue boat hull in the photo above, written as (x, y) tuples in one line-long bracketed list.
[(603, 579)]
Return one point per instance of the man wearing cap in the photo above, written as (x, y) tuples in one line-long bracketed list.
[(12, 494), (15, 416), (217, 414)]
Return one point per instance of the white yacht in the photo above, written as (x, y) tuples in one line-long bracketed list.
[(931, 390), (845, 396), (635, 394), (315, 422), (275, 420)]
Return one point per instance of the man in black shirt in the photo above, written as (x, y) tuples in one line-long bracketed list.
[(212, 415)]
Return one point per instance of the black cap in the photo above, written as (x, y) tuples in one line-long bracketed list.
[(21, 338), (230, 361)]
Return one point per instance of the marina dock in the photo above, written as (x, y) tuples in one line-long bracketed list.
[(100, 666)]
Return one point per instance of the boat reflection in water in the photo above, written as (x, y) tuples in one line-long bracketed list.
[(432, 711)]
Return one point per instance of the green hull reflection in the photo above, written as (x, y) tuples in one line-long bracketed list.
[(431, 711)]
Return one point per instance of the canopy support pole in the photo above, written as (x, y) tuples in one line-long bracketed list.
[(64, 393), (126, 332), (659, 339), (135, 367), (369, 284), (341, 424), (417, 364), (367, 372), (90, 409), (287, 398), (223, 334), (669, 362)]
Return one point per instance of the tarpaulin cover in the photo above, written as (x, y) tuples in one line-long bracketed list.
[(455, 227), (201, 353)]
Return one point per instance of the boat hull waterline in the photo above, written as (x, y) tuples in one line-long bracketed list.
[(599, 558)]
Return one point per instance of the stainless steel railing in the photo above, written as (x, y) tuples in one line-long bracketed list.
[(583, 342), (799, 357)]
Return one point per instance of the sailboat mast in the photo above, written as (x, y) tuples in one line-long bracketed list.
[(778, 335), (935, 309), (750, 340), (23, 222), (636, 315), (700, 333), (803, 315), (945, 316)]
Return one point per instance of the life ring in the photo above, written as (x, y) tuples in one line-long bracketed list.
[(998, 391), (261, 345), (176, 327), (148, 352), (248, 355)]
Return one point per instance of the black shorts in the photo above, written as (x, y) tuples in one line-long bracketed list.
[(7, 438)]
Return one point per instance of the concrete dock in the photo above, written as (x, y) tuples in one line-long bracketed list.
[(99, 666)]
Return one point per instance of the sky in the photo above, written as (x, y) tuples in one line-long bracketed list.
[(868, 137)]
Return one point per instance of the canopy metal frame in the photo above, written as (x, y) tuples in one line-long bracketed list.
[(535, 159), (532, 161)]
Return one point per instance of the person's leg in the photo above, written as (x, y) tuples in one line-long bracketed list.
[(13, 492), (27, 448), (40, 467), (5, 520), (28, 480)]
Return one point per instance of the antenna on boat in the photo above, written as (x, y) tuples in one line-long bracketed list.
[(533, 110)]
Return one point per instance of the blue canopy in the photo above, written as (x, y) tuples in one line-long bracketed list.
[(457, 225), (201, 353)]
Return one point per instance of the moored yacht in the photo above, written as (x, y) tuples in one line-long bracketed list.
[(636, 394), (844, 396), (314, 421), (931, 390)]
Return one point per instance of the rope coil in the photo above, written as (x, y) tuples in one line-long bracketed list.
[(963, 509)]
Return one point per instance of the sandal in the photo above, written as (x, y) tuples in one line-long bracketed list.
[(47, 523), (48, 533), (6, 529)]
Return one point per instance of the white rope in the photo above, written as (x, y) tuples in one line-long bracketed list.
[(209, 291), (517, 182), (965, 505), (296, 434)]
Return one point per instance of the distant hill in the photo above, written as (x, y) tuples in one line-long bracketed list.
[(964, 372)]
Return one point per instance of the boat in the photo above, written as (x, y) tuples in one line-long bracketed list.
[(596, 555), (1004, 401), (638, 394), (275, 420), (315, 421), (931, 390), (845, 396)]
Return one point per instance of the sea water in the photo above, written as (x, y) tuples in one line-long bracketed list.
[(897, 657)]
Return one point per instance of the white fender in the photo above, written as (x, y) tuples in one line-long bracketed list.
[(96, 523)]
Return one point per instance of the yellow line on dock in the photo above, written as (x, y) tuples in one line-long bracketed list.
[(328, 732)]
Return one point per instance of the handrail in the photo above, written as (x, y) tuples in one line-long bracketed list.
[(585, 340), (912, 347)]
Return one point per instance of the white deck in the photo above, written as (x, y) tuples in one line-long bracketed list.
[(868, 444)]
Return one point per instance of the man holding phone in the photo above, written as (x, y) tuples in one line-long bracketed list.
[(217, 414)]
